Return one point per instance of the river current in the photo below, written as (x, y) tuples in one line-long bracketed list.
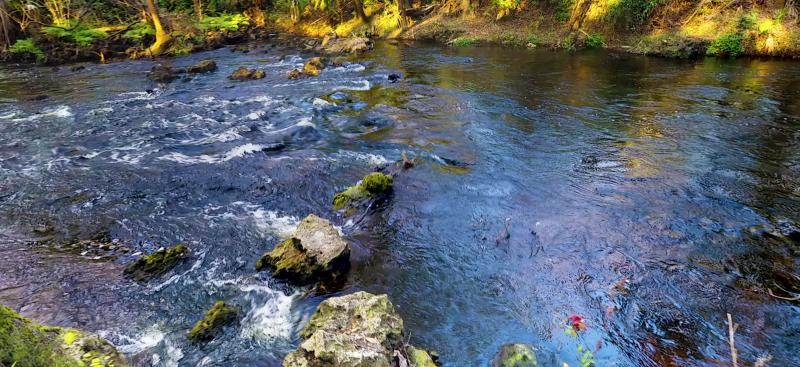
[(650, 196)]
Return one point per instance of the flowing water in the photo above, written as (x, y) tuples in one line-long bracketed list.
[(647, 195)]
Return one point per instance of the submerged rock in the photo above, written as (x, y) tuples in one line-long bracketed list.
[(316, 250), (218, 316), (26, 343), (157, 263), (347, 45), (515, 355), (372, 185), (244, 73), (295, 74), (204, 66), (162, 74), (356, 330), (313, 66)]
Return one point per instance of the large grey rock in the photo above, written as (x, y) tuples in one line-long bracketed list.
[(316, 250), (356, 330)]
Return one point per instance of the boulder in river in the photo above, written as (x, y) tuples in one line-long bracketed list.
[(244, 73), (157, 263), (347, 45), (218, 316), (295, 74), (316, 250), (204, 66), (515, 355), (162, 74), (372, 185), (313, 66), (356, 330), (26, 343)]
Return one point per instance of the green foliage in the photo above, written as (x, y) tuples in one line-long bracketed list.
[(506, 4), (594, 41), (139, 31), (748, 21), (632, 13), (730, 44), (464, 41), (27, 46), (587, 357), (226, 22), (81, 35), (562, 9)]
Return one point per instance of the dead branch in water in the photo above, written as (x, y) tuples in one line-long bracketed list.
[(731, 330)]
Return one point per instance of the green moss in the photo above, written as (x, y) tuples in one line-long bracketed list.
[(371, 185), (731, 44), (218, 316), (464, 41), (288, 260), (28, 344), (157, 263), (420, 357), (27, 46), (516, 355)]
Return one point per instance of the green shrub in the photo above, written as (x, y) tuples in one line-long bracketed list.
[(730, 44), (632, 13), (506, 4), (224, 22), (81, 35), (27, 46), (139, 31), (563, 9), (464, 41), (594, 41)]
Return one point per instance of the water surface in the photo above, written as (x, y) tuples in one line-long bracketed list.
[(633, 191)]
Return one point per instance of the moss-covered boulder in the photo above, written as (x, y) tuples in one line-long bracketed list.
[(218, 316), (313, 66), (157, 263), (515, 355), (372, 185), (24, 343), (244, 73), (315, 251), (356, 330), (420, 358), (205, 66), (162, 74)]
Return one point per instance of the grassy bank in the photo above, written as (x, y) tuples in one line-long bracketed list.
[(100, 30)]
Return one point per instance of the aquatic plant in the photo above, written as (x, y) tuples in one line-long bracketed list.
[(27, 46), (464, 41)]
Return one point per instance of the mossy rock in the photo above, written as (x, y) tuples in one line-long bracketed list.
[(515, 355), (313, 66), (359, 329), (218, 316), (205, 66), (418, 357), (244, 73), (157, 263), (24, 343), (372, 185), (315, 251)]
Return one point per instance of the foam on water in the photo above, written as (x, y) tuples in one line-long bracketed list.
[(58, 112), (236, 152), (271, 319)]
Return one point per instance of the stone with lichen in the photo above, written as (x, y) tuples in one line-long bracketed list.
[(204, 66), (313, 66), (315, 250), (244, 73), (218, 316), (24, 343), (157, 263)]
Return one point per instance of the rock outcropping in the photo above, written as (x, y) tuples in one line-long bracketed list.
[(371, 186), (315, 251), (244, 73), (24, 343), (356, 330), (205, 66), (218, 316)]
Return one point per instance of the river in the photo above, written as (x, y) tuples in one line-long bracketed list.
[(637, 192)]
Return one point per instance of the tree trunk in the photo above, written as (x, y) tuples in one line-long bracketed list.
[(198, 9), (162, 36), (360, 11), (465, 7), (5, 27)]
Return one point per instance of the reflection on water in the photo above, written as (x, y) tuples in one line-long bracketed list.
[(651, 196)]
